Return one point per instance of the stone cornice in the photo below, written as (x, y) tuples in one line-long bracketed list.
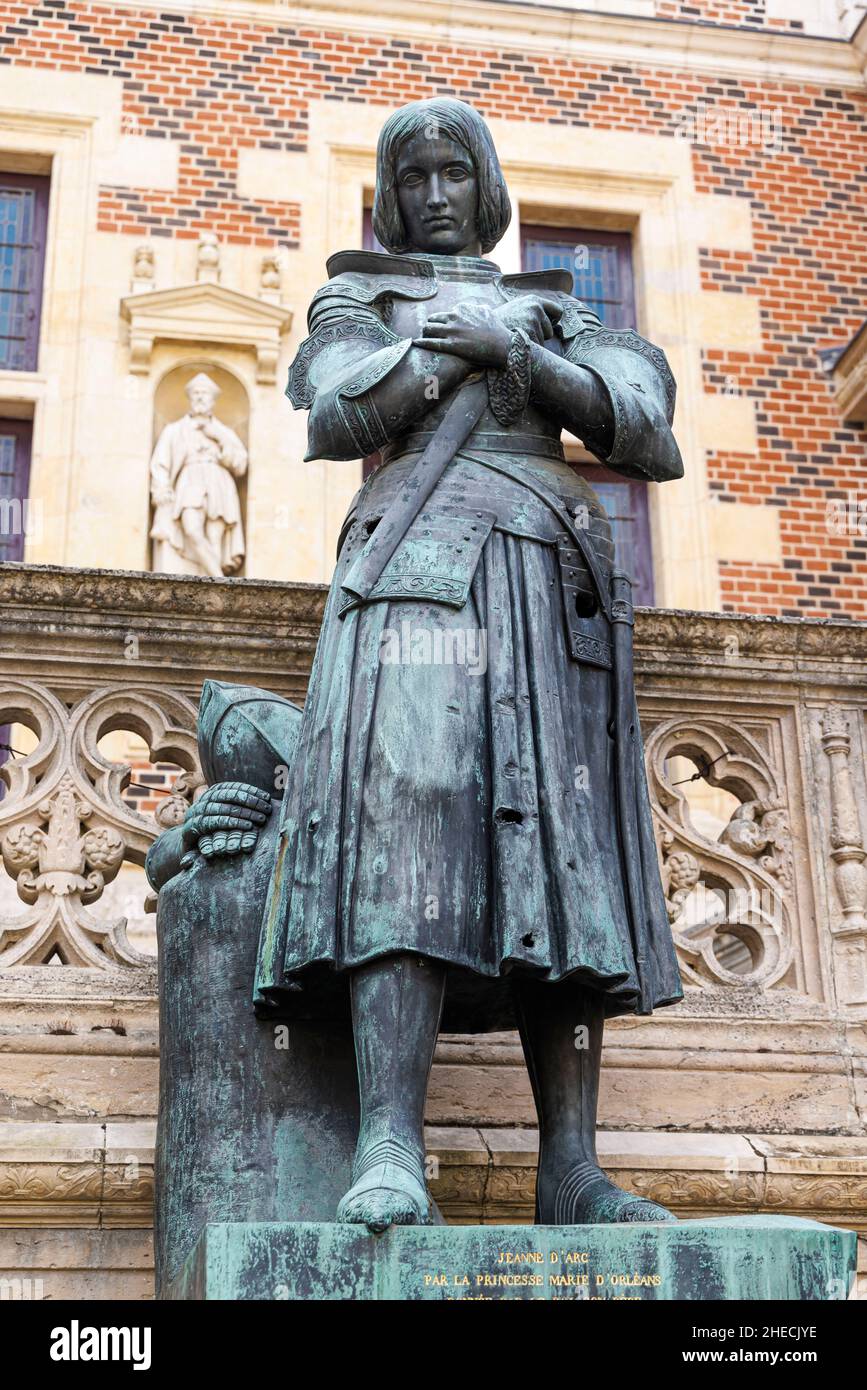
[(850, 379), (735, 643), (108, 601), (489, 1174), (78, 988), (119, 593), (186, 629), (579, 33), (76, 1175)]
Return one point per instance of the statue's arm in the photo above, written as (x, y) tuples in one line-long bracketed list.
[(615, 392), (233, 455), (163, 861), (362, 384), (369, 398), (161, 488), (225, 820), (574, 397)]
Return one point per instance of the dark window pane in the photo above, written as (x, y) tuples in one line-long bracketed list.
[(369, 239), (23, 216), (14, 482), (601, 264), (625, 501), (14, 485)]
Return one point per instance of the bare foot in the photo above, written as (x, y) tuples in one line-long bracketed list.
[(586, 1197), (388, 1189)]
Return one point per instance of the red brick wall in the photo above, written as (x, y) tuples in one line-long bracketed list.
[(149, 786), (219, 84), (809, 272), (744, 14)]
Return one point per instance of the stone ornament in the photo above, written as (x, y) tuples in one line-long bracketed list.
[(65, 828), (847, 855), (208, 258), (271, 278), (142, 269), (847, 838), (739, 885)]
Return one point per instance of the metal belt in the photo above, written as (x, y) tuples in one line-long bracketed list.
[(536, 445)]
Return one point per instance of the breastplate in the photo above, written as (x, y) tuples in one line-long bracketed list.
[(479, 288)]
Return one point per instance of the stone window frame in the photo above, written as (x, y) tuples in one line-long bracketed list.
[(58, 129)]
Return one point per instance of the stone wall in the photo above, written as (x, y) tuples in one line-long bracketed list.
[(750, 1096)]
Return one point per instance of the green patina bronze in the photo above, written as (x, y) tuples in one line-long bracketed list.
[(255, 1124), (455, 833), (751, 1258)]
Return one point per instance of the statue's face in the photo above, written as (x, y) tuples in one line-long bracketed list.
[(438, 195), (201, 401)]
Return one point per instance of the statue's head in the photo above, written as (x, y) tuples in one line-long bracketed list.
[(202, 392), (439, 185)]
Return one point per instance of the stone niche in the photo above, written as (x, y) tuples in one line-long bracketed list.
[(232, 408), (181, 318)]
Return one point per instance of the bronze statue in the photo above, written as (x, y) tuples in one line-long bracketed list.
[(466, 844)]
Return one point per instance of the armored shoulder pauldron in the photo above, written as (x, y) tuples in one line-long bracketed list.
[(355, 304)]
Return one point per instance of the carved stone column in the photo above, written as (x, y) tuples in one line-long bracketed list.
[(848, 855)]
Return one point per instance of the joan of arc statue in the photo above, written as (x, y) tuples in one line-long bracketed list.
[(467, 845)]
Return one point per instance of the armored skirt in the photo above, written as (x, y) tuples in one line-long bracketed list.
[(454, 789)]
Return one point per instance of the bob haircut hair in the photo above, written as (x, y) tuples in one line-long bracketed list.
[(439, 116)]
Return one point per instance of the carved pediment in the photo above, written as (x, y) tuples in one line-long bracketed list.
[(205, 313)]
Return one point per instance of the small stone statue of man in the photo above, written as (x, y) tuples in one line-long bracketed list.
[(197, 513)]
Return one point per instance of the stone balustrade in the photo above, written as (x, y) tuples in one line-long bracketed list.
[(748, 1096)]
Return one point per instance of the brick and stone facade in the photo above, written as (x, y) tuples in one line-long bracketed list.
[(216, 121), (723, 140)]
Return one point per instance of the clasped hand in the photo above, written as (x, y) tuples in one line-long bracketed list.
[(225, 820), (482, 333)]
